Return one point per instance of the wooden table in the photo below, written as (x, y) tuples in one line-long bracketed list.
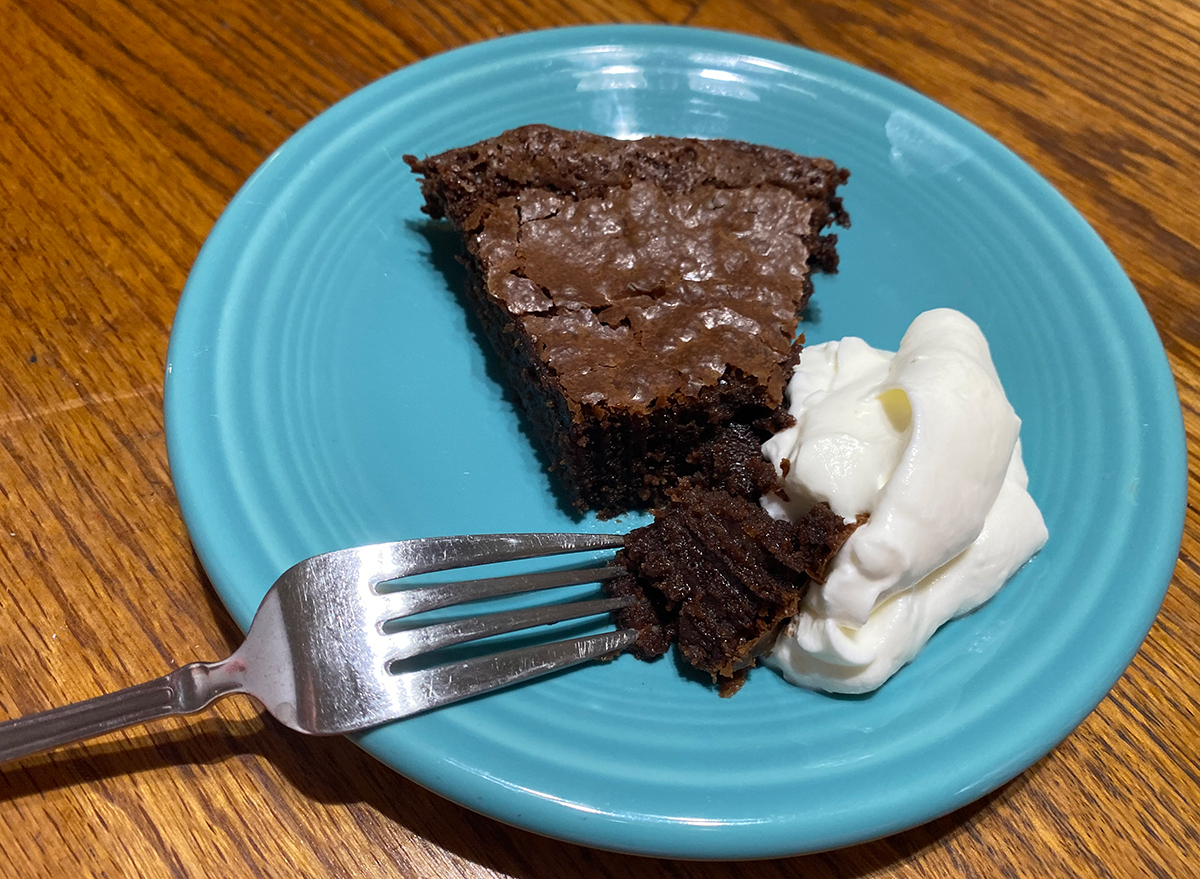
[(125, 128)]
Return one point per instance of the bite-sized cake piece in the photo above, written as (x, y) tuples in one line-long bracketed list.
[(716, 572), (732, 461), (639, 293)]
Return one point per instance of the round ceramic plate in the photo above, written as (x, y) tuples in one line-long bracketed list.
[(325, 388)]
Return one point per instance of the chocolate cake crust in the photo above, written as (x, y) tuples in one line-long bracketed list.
[(641, 295), (460, 182)]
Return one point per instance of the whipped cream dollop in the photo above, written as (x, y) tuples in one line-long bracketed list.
[(925, 442)]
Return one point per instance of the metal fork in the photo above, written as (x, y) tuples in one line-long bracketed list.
[(319, 657)]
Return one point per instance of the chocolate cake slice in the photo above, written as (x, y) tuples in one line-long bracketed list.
[(640, 294), (718, 574)]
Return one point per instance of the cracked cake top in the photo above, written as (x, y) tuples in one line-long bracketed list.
[(642, 270)]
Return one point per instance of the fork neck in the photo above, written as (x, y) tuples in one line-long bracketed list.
[(199, 684)]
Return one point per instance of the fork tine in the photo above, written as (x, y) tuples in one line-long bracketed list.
[(441, 685), (414, 642), (407, 602), (406, 558)]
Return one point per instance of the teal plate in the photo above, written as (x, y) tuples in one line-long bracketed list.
[(325, 388)]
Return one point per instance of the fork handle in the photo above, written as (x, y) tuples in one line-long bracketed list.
[(183, 691)]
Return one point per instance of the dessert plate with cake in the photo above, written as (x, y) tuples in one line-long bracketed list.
[(329, 384)]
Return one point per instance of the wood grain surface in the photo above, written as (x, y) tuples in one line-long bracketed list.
[(125, 128)]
